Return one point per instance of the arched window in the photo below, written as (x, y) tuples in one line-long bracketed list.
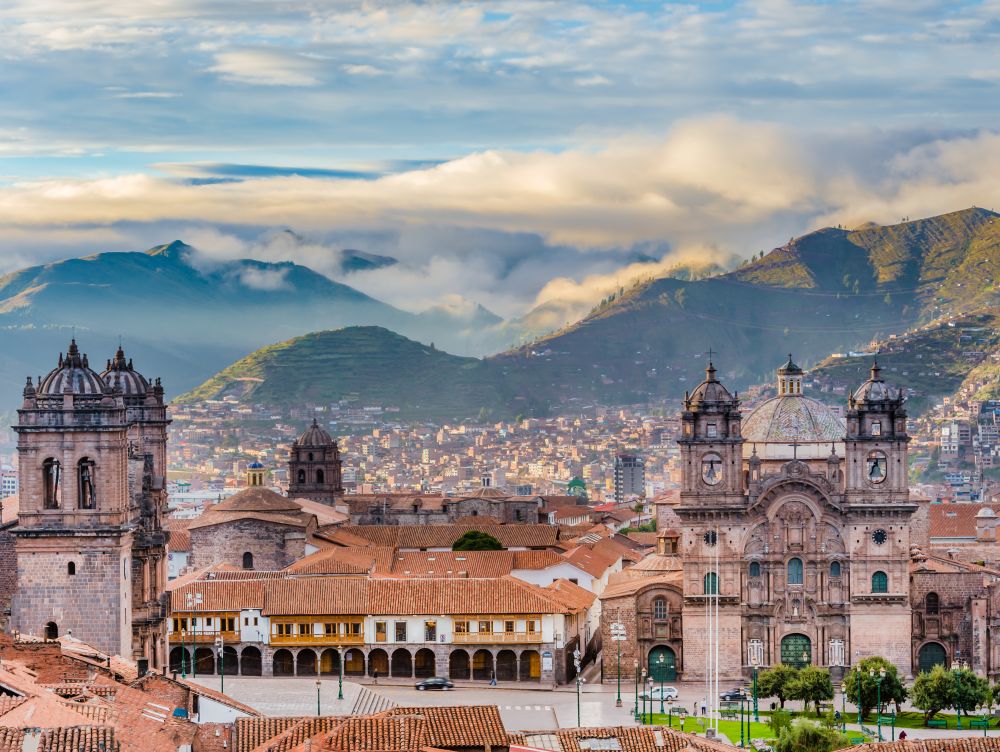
[(932, 603), (835, 569), (302, 476), (319, 476), (50, 478), (51, 631), (85, 484), (711, 584), (795, 571), (755, 569), (310, 456), (660, 608), (71, 568), (247, 560), (880, 582)]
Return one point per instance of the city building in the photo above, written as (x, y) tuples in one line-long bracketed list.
[(90, 545), (630, 478)]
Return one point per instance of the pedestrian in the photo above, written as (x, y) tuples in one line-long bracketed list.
[(375, 675), (902, 735), (493, 678), (704, 707)]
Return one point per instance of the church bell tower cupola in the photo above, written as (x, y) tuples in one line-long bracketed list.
[(314, 467), (790, 378), (711, 442), (876, 438)]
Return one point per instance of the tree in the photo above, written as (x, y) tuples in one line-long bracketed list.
[(805, 736), (971, 690), (476, 540), (811, 685), (774, 682), (933, 691), (780, 719), (892, 688)]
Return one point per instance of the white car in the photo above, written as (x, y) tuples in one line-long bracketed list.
[(668, 693)]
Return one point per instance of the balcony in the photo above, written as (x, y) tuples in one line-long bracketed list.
[(495, 638), (207, 636), (331, 640)]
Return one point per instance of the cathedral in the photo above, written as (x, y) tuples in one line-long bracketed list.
[(790, 542), (91, 549)]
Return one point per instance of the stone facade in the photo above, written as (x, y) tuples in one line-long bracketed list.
[(271, 545), (90, 547), (421, 509)]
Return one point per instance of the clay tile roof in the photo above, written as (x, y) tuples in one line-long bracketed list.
[(256, 503), (252, 732), (378, 733), (571, 595), (222, 595), (443, 536), (296, 734), (459, 726), (960, 744), (955, 520), (338, 560)]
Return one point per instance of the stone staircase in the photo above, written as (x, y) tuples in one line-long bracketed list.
[(367, 702)]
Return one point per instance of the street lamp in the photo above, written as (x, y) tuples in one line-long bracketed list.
[(644, 693), (670, 712), (340, 674), (220, 648), (742, 740), (650, 682), (183, 653), (878, 698), (860, 723), (754, 660), (635, 676), (192, 601), (618, 636), (661, 661), (957, 670), (318, 685), (579, 680)]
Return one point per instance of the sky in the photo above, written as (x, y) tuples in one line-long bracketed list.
[(514, 153)]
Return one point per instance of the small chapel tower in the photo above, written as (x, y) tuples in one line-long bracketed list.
[(314, 467)]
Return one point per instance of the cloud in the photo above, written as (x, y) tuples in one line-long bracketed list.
[(265, 279), (266, 68)]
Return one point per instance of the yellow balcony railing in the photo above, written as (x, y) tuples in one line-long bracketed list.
[(320, 639), (206, 636), (481, 638)]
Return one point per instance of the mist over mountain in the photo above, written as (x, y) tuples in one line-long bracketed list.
[(831, 290)]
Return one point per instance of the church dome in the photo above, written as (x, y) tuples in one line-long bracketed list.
[(792, 417), (72, 374), (875, 389), (120, 374), (710, 391), (315, 436)]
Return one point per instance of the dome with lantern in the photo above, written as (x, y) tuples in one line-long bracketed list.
[(72, 375), (120, 374)]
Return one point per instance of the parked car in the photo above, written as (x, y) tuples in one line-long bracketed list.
[(733, 695), (668, 693), (435, 682)]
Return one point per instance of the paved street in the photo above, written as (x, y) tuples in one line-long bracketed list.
[(522, 709)]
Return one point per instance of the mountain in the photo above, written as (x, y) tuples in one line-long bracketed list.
[(359, 261), (184, 318), (831, 290), (931, 362), (368, 365)]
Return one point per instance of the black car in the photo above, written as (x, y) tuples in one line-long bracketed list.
[(733, 695), (435, 682)]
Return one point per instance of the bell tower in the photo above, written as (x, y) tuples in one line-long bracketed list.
[(314, 467), (74, 536), (711, 444)]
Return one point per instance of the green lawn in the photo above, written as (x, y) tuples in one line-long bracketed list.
[(730, 728)]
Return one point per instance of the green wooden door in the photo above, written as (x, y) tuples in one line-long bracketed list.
[(663, 664), (932, 654), (796, 650)]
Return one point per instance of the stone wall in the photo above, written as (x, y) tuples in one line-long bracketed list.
[(92, 603), (696, 642), (884, 630), (273, 546)]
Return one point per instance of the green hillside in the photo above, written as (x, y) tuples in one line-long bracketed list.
[(932, 362), (367, 365)]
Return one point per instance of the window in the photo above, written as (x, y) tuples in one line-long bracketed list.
[(319, 476), (51, 631), (711, 584), (485, 627), (354, 629), (461, 627), (400, 631), (227, 624), (179, 625), (755, 569), (282, 630), (381, 631), (330, 629), (310, 456), (246, 621), (302, 476), (85, 484), (876, 428), (255, 621), (71, 568), (305, 629), (880, 582), (533, 625), (508, 627), (835, 569), (932, 603), (430, 631), (660, 608), (711, 431), (247, 560), (50, 477), (795, 571), (518, 515)]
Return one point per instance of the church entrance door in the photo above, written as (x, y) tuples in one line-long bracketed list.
[(663, 664), (932, 654), (796, 650)]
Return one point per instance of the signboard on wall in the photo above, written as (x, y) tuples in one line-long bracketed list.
[(547, 661)]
